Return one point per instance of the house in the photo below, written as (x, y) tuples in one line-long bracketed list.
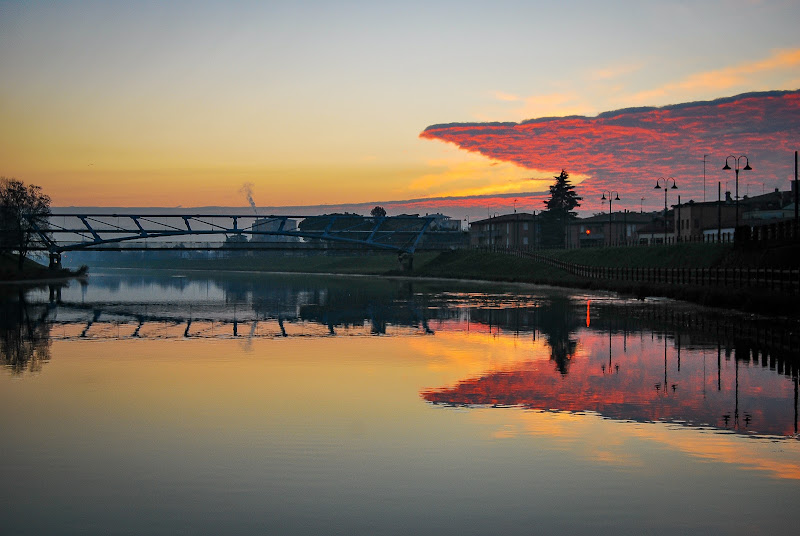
[(694, 221), (716, 220), (518, 230), (618, 229), (444, 223)]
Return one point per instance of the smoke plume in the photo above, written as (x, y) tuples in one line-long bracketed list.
[(247, 190)]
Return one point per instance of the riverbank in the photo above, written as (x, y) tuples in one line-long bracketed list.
[(503, 267), (32, 271)]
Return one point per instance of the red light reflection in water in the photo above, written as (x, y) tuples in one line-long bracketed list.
[(647, 384), (588, 306)]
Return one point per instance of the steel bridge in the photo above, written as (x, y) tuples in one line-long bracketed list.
[(151, 231)]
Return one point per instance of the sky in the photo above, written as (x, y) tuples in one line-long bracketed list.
[(329, 103)]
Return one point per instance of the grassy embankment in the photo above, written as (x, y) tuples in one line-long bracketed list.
[(9, 269), (31, 270), (369, 264)]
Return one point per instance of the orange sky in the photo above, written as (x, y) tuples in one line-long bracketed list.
[(182, 103)]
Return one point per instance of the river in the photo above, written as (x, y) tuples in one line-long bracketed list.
[(192, 403)]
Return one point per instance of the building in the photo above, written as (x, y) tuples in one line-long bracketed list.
[(694, 221), (715, 220), (774, 205), (274, 225), (655, 232), (518, 230), (620, 229), (444, 223)]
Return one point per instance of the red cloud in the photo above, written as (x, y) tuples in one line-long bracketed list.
[(627, 150)]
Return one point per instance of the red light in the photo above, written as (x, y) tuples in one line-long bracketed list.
[(588, 232)]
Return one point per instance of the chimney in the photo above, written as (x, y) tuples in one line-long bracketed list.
[(728, 197)]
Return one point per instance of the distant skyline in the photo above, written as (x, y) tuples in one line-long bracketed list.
[(322, 103)]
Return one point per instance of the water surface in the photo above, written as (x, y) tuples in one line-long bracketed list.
[(310, 404)]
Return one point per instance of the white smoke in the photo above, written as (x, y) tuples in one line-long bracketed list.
[(247, 190)]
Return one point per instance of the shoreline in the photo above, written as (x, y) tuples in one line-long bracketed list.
[(758, 302), (477, 266)]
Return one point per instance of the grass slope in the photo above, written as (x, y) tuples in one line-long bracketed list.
[(674, 256), (372, 264), (9, 269)]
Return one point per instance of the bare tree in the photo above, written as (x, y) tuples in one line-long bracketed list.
[(24, 211)]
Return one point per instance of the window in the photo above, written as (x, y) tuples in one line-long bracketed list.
[(525, 238), (525, 228)]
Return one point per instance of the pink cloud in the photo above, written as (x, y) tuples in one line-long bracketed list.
[(627, 150)]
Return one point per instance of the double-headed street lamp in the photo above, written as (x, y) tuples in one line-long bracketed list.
[(613, 195), (746, 167), (665, 182)]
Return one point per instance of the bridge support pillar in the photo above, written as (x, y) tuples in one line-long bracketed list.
[(406, 262), (55, 260), (55, 293)]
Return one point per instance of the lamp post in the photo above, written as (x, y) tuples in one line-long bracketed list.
[(613, 195), (737, 160), (665, 182)]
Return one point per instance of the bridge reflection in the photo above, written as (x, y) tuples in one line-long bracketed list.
[(625, 360)]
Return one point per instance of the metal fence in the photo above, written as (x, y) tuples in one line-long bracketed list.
[(734, 278)]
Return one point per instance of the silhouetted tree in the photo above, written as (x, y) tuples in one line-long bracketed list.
[(378, 212), (559, 211), (23, 211)]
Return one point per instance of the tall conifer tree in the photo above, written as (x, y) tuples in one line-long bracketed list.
[(559, 213)]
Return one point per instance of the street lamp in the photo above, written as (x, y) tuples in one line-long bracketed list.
[(746, 167), (665, 182), (613, 195)]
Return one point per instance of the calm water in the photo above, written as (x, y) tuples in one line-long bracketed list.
[(329, 405)]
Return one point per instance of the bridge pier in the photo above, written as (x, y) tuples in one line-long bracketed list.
[(55, 260), (55, 293), (406, 262)]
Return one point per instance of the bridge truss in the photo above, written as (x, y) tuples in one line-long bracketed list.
[(128, 231)]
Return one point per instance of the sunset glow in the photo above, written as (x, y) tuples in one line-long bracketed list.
[(180, 103)]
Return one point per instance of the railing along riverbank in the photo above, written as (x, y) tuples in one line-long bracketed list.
[(735, 278), (777, 280)]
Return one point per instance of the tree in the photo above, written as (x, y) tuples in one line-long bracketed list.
[(559, 211), (378, 212), (24, 212)]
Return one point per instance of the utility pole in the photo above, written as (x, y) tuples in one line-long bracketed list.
[(704, 177), (719, 212), (796, 195)]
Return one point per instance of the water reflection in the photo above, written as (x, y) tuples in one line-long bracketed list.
[(646, 375), (24, 333), (624, 360)]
